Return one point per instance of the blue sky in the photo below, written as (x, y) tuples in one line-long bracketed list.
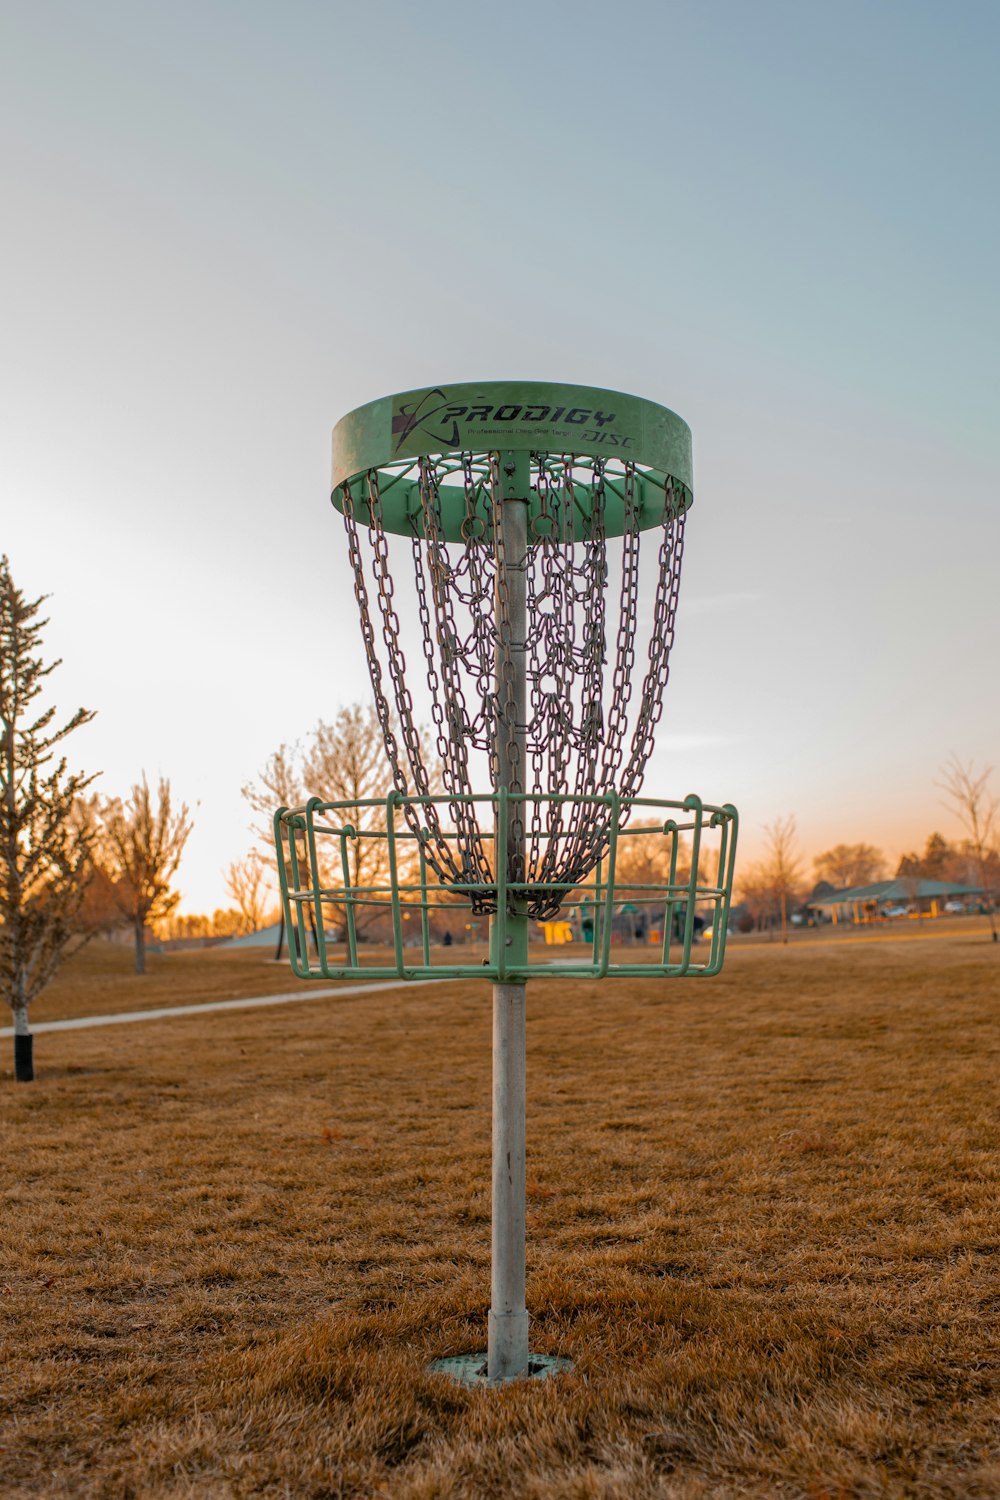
[(228, 224)]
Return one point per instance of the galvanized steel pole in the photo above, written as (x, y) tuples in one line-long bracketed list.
[(508, 1322)]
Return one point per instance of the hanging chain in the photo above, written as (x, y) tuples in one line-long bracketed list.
[(661, 639), (454, 718), (578, 713), (368, 636)]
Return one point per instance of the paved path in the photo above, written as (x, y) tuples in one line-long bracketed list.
[(123, 1017)]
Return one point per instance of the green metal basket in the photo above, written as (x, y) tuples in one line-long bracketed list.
[(360, 900)]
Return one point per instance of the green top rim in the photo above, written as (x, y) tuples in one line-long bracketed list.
[(527, 416)]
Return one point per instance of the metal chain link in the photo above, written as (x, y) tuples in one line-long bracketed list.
[(577, 717), (506, 725), (661, 639), (455, 717)]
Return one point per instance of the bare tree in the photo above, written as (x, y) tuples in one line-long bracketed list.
[(44, 849), (142, 848), (846, 865), (645, 859), (939, 861), (228, 924), (99, 912), (187, 927), (642, 861), (345, 761), (782, 867), (247, 882), (971, 799), (757, 894), (278, 785), (342, 761)]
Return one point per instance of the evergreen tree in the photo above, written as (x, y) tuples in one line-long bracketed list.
[(44, 847)]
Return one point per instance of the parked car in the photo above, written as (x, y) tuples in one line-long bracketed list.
[(954, 906), (895, 911)]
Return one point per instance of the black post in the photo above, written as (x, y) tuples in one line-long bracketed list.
[(24, 1071)]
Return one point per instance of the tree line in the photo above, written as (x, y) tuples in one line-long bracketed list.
[(73, 864), (773, 887)]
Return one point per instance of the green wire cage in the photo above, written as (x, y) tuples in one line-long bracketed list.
[(361, 900)]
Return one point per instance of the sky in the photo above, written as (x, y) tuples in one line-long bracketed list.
[(228, 224)]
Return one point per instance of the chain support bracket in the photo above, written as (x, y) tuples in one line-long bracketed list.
[(360, 900)]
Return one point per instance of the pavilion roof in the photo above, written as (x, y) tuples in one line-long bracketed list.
[(902, 888)]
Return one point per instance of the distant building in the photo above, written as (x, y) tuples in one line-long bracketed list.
[(905, 894)]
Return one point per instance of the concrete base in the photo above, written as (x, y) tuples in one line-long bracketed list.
[(471, 1369)]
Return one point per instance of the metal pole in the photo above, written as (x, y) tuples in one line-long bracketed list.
[(508, 1323)]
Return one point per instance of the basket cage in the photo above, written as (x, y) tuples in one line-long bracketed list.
[(361, 898)]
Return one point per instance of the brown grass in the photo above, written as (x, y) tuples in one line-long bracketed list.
[(101, 979), (763, 1223)]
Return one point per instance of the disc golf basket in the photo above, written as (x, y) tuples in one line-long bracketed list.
[(498, 528)]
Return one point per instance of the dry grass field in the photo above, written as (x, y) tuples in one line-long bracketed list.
[(763, 1222), (101, 980)]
